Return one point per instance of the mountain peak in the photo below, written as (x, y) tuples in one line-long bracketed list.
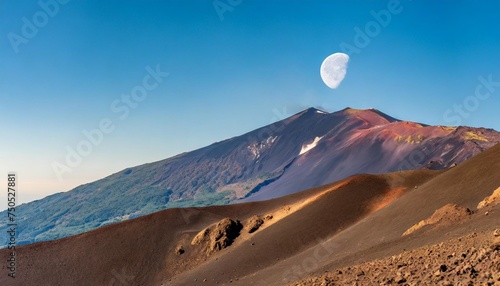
[(314, 110), (371, 115), (348, 110), (309, 112)]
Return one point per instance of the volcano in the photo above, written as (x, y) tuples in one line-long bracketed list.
[(309, 149)]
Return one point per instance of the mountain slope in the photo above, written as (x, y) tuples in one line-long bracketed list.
[(308, 149), (361, 217), (145, 248), (379, 234)]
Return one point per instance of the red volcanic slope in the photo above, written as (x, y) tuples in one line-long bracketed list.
[(371, 142)]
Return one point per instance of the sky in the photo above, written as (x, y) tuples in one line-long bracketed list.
[(89, 88)]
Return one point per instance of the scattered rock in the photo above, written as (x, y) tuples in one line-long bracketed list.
[(496, 244), (496, 232), (254, 223), (467, 260), (400, 279), (268, 217), (179, 250)]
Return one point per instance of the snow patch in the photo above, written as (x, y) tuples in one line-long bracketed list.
[(254, 150), (308, 147), (257, 148), (321, 112)]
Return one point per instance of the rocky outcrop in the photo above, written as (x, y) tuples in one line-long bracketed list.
[(254, 224), (490, 200), (218, 236), (445, 215)]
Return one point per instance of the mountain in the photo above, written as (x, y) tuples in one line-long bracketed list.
[(308, 149), (359, 219)]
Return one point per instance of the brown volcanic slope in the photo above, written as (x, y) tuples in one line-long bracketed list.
[(359, 218), (145, 248)]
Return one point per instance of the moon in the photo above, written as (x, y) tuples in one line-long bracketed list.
[(333, 69)]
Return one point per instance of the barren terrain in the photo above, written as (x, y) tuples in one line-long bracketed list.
[(355, 226)]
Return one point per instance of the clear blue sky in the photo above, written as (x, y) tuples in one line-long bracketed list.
[(227, 76)]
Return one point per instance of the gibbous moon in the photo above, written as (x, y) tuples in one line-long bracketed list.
[(333, 69)]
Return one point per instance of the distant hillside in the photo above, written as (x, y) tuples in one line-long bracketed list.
[(308, 149)]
